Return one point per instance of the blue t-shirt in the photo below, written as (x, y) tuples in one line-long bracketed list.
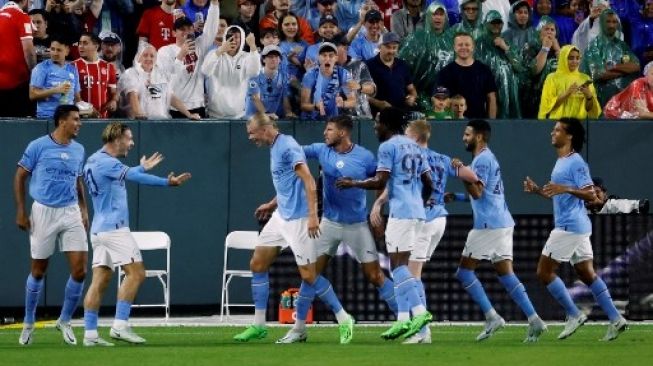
[(285, 155), (292, 69), (490, 210), (48, 75), (54, 168), (344, 206), (569, 211), (362, 48), (271, 91), (405, 161), (326, 89), (441, 169)]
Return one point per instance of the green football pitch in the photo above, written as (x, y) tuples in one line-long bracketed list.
[(452, 345)]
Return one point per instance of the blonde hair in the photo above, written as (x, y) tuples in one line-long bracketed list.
[(458, 97), (113, 131), (422, 128), (262, 120)]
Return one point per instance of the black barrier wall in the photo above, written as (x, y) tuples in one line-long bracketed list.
[(231, 178)]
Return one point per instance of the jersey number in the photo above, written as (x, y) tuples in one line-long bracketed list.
[(90, 182)]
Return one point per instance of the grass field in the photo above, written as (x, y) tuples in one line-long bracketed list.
[(452, 345)]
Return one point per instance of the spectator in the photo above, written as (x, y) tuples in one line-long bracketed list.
[(111, 51), (392, 77), (197, 12), (323, 8), (521, 33), (472, 19), (453, 9), (54, 81), (41, 39), (564, 14), (387, 8), (542, 59), (636, 101), (228, 69), (405, 21), (248, 17), (542, 8), (271, 20), (458, 106), (269, 36), (589, 28), (63, 22), (361, 83), (348, 12), (325, 90), (470, 78), (146, 92), (16, 59), (500, 6), (156, 25), (609, 60), (567, 92), (327, 32), (428, 50), (268, 92), (366, 46), (641, 40), (293, 52), (98, 83), (504, 62), (441, 102)]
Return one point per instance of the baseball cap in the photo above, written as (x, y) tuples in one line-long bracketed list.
[(271, 48), (328, 18), (441, 92), (493, 16), (326, 1), (182, 22), (390, 37), (327, 46), (109, 37), (373, 16)]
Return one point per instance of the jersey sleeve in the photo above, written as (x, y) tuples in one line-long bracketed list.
[(76, 83), (309, 80), (482, 169), (370, 164), (424, 163), (386, 155), (144, 25), (293, 154), (38, 76), (30, 156), (113, 169), (450, 170), (25, 27), (113, 79), (253, 86), (580, 174), (312, 151)]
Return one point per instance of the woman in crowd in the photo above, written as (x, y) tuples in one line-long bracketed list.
[(636, 101)]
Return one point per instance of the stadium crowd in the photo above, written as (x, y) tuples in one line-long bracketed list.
[(314, 59)]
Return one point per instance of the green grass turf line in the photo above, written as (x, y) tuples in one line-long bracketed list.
[(452, 345)]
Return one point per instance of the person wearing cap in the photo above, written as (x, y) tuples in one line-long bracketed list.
[(366, 46), (156, 25), (323, 8), (361, 82), (392, 77), (181, 60), (111, 51), (440, 100), (500, 6), (327, 32), (405, 21), (470, 78), (248, 17), (269, 92), (472, 19), (325, 89), (506, 65), (281, 8)]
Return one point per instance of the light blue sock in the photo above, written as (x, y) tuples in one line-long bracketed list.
[(324, 291), (72, 295), (419, 287), (473, 286), (32, 293), (90, 319), (559, 291), (304, 300), (123, 308), (387, 293), (517, 291), (405, 288), (260, 290), (603, 298)]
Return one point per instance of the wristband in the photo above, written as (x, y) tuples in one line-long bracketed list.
[(545, 49)]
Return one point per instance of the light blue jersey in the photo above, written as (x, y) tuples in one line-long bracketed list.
[(326, 89), (48, 75), (105, 178), (344, 206), (363, 49), (491, 210), (569, 211), (54, 168), (272, 91), (404, 160), (441, 169), (285, 155)]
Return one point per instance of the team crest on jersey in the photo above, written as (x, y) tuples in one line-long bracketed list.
[(252, 84), (340, 164), (71, 75), (64, 156)]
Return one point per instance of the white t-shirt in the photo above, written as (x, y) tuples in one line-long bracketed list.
[(153, 89)]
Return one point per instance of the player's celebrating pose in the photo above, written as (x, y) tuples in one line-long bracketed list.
[(113, 244), (58, 214), (294, 223), (402, 166), (491, 237), (570, 186)]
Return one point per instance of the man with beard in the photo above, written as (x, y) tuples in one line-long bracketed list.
[(111, 51)]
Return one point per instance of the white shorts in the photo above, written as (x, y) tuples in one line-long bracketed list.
[(115, 248), (494, 245), (294, 233), (401, 234), (565, 246), (56, 224), (428, 239), (356, 236)]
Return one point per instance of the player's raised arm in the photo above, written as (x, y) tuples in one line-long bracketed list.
[(311, 196)]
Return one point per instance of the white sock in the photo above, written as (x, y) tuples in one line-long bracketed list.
[(259, 317), (491, 314), (533, 318), (342, 316), (418, 310), (91, 334), (300, 325), (403, 316), (119, 324)]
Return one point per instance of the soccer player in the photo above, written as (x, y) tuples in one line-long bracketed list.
[(293, 223), (402, 166), (436, 215), (491, 237), (54, 165), (345, 215), (570, 187), (113, 244)]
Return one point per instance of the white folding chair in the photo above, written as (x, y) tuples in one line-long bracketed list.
[(154, 240), (242, 240)]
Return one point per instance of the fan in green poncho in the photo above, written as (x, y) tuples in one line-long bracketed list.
[(471, 19), (541, 60), (609, 60), (505, 64), (428, 50)]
